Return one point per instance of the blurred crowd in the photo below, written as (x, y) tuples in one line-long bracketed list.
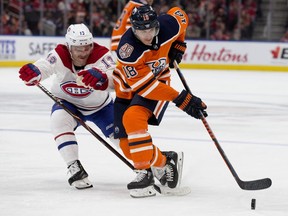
[(208, 19), (222, 19)]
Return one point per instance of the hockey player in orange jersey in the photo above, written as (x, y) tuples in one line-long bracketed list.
[(143, 91), (123, 22)]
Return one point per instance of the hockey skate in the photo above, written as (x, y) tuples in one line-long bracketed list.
[(142, 185), (79, 177), (159, 174), (171, 174)]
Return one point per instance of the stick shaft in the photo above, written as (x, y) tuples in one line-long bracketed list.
[(78, 119), (245, 185)]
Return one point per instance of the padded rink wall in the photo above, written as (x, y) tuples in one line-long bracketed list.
[(221, 55)]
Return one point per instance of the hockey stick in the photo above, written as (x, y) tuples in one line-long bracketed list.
[(161, 190), (245, 185)]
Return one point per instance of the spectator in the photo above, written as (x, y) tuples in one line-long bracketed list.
[(25, 29), (193, 31), (219, 34), (246, 26), (104, 13), (32, 17), (285, 37), (236, 34), (232, 17)]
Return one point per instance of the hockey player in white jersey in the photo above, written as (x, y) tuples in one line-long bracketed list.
[(83, 75)]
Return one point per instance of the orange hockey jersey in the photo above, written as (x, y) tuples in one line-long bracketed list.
[(144, 70), (123, 23)]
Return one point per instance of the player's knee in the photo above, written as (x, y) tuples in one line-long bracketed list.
[(61, 122), (136, 118)]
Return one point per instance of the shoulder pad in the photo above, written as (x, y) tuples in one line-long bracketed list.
[(64, 55), (130, 48), (97, 52), (169, 27)]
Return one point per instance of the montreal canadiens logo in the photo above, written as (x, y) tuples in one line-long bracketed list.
[(72, 89)]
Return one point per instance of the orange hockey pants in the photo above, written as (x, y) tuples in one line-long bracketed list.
[(138, 147)]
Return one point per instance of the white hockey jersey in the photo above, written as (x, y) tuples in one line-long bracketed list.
[(65, 84)]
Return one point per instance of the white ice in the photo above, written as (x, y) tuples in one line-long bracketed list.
[(248, 113)]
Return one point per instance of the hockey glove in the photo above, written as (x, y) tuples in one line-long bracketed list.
[(93, 78), (30, 74), (190, 104), (176, 52)]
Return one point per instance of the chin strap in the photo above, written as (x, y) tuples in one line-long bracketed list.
[(155, 43)]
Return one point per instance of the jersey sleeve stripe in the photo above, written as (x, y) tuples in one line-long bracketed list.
[(122, 85), (122, 89), (143, 80), (116, 37), (159, 108), (142, 88), (150, 89), (118, 73)]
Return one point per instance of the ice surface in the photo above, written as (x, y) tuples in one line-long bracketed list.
[(248, 112)]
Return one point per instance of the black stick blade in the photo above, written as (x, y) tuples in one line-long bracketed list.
[(255, 185)]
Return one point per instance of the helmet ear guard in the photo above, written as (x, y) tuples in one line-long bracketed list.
[(144, 17), (78, 35)]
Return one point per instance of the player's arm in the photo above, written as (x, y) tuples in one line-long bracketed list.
[(178, 47), (182, 20), (148, 87), (32, 73), (93, 78), (187, 102), (99, 74), (107, 64), (143, 82)]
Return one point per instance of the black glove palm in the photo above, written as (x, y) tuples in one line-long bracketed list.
[(190, 104)]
